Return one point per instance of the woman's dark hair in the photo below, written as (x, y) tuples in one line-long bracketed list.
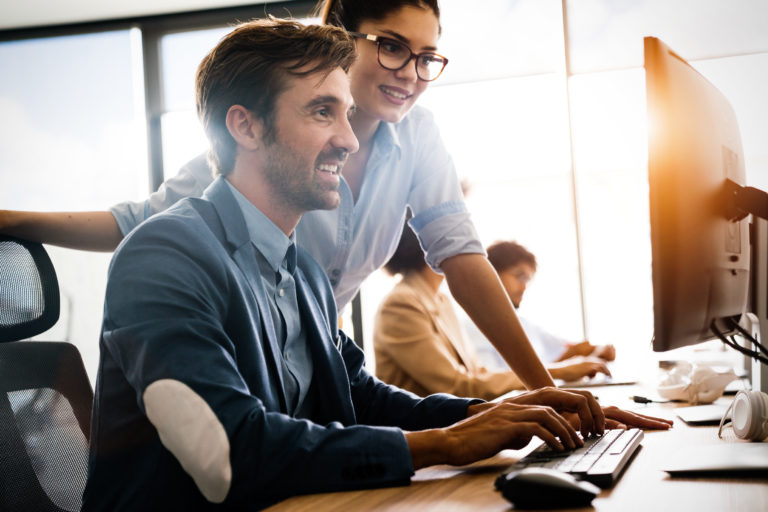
[(349, 14), (505, 255), (408, 255)]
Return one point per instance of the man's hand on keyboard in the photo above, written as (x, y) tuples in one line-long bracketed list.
[(623, 419), (497, 427), (590, 418)]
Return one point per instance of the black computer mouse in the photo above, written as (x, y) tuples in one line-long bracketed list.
[(537, 488)]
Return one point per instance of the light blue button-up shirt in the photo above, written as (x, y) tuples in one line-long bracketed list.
[(409, 167), (276, 256)]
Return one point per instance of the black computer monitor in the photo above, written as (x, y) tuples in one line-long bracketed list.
[(699, 205)]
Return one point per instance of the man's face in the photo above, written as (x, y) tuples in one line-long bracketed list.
[(515, 279), (312, 138)]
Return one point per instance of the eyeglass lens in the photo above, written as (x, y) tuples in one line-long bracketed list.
[(394, 55)]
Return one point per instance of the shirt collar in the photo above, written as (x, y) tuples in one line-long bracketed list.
[(387, 136), (268, 239)]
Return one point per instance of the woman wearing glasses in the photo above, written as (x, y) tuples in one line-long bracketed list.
[(402, 163)]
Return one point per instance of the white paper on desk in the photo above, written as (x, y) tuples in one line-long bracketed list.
[(703, 414), (723, 458)]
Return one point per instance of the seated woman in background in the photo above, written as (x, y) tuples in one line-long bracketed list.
[(419, 343)]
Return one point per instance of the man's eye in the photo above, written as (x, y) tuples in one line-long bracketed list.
[(322, 112)]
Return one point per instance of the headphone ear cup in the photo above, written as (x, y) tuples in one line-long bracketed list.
[(750, 415), (764, 416)]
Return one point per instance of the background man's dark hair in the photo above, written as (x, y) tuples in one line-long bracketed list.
[(251, 66), (505, 255)]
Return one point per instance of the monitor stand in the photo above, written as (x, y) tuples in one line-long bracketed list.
[(757, 322)]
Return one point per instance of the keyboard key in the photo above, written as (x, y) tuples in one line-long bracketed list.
[(621, 444)]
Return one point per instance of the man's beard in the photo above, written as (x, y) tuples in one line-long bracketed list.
[(295, 179)]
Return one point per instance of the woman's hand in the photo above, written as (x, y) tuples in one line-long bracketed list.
[(577, 367)]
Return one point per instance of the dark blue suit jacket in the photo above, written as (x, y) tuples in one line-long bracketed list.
[(185, 302)]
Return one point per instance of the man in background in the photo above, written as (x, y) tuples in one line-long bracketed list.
[(516, 267)]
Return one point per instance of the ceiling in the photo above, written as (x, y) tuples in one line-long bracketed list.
[(37, 13)]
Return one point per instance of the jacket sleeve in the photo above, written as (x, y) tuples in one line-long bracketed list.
[(378, 403)]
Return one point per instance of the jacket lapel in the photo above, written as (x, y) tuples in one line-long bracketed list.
[(243, 253)]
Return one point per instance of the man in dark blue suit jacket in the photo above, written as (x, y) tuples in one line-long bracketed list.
[(224, 382)]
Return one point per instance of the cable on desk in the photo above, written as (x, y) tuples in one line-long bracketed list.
[(644, 400)]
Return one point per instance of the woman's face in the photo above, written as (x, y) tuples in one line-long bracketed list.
[(386, 95)]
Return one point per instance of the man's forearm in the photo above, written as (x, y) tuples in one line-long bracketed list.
[(477, 288), (90, 231)]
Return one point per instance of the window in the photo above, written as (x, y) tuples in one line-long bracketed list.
[(183, 136), (73, 120), (728, 43)]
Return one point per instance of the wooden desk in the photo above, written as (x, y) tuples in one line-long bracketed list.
[(643, 486)]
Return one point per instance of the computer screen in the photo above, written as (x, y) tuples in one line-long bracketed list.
[(700, 257), (700, 240)]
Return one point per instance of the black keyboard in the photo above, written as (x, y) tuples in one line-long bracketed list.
[(600, 461)]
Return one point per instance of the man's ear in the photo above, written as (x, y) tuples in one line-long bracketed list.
[(244, 127)]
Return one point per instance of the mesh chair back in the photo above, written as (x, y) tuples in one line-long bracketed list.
[(45, 395), (29, 291)]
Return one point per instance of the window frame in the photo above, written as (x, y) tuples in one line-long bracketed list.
[(153, 28)]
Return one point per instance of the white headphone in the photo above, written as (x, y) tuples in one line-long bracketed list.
[(750, 416)]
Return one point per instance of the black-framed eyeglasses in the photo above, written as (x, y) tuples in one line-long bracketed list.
[(394, 55)]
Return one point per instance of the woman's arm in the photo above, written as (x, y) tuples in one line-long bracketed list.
[(100, 231), (476, 287), (89, 231)]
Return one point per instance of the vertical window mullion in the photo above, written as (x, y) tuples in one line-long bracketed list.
[(153, 97)]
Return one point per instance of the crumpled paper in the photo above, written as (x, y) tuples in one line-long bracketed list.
[(693, 383)]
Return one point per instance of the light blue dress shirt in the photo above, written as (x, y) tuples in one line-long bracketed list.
[(409, 167), (548, 346), (276, 256)]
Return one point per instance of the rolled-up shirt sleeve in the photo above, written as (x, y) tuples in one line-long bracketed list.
[(447, 235), (191, 181), (440, 216)]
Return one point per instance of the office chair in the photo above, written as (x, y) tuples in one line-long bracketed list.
[(45, 395)]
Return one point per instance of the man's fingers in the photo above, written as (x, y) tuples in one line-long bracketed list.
[(548, 425), (637, 420), (547, 436), (591, 414), (591, 417), (549, 419), (613, 424)]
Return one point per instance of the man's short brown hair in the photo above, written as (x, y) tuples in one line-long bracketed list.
[(251, 66), (507, 254)]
